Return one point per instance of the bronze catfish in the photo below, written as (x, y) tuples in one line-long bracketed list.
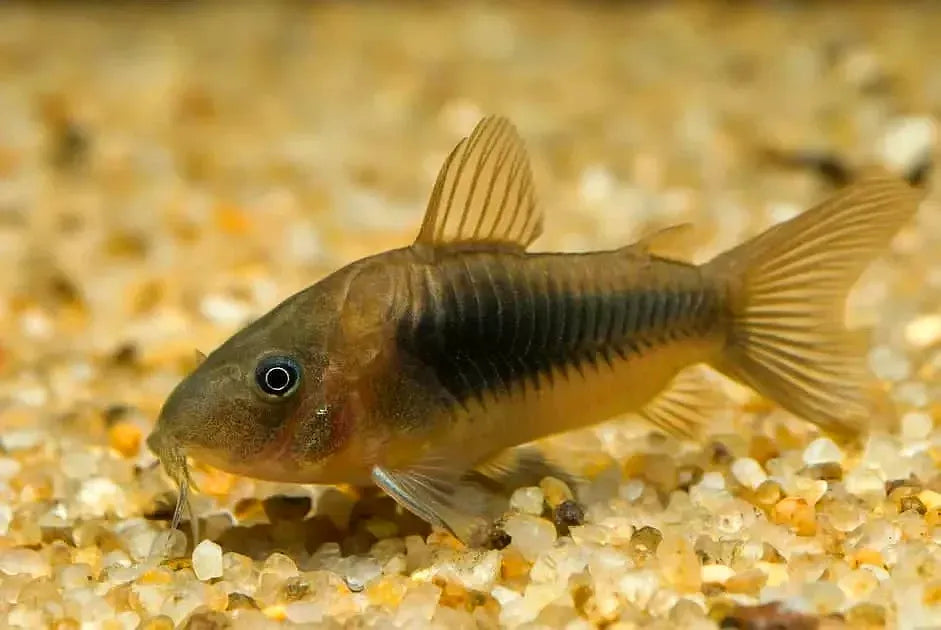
[(414, 366)]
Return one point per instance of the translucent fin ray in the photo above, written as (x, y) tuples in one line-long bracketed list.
[(685, 406), (788, 288), (673, 242), (441, 496)]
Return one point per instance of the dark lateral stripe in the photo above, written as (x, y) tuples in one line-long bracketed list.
[(484, 329)]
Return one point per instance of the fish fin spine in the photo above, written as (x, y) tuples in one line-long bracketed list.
[(484, 194)]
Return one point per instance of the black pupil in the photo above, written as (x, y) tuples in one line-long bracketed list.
[(278, 378)]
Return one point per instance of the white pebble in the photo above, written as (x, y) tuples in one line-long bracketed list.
[(6, 517), (100, 495), (907, 141), (79, 464), (748, 472), (923, 331), (28, 561), (822, 451), (530, 535), (632, 490), (224, 310), (810, 490), (716, 573), (597, 184), (888, 364), (207, 560), (712, 481), (824, 597), (916, 425), (472, 570), (527, 500), (912, 393), (304, 612), (9, 468), (863, 481), (22, 439)]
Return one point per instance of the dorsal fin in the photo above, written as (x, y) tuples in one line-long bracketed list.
[(484, 192)]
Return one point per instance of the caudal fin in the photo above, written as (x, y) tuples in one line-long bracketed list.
[(788, 287)]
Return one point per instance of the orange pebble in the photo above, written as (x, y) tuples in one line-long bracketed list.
[(514, 565), (231, 219), (797, 514), (125, 438), (932, 593), (216, 482), (275, 612), (866, 556)]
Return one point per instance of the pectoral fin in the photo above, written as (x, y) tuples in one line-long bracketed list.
[(441, 497)]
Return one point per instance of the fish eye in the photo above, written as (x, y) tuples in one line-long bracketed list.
[(278, 376)]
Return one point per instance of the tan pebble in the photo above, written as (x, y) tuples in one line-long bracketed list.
[(125, 438), (556, 491), (810, 490), (157, 623), (898, 493), (386, 592), (770, 554), (797, 514), (156, 576), (177, 564), (249, 509), (866, 615), (826, 471), (930, 499), (772, 615), (762, 448), (206, 620), (645, 541), (442, 538), (777, 573), (748, 582), (933, 517), (452, 595), (912, 503), (216, 482), (240, 601), (679, 563), (767, 494)]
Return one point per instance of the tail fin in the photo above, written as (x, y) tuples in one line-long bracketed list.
[(788, 287)]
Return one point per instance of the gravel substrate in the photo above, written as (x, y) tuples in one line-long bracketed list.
[(169, 173)]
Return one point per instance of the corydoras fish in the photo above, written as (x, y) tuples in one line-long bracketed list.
[(413, 367)]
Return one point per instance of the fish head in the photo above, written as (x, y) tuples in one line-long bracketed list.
[(258, 405)]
